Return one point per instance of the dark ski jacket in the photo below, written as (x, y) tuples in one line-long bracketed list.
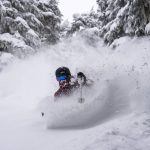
[(67, 87)]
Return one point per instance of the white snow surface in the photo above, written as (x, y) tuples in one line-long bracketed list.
[(115, 115)]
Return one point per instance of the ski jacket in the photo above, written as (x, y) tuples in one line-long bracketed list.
[(67, 87)]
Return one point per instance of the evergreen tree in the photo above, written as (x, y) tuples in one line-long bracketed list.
[(29, 23), (83, 21), (86, 26), (123, 17)]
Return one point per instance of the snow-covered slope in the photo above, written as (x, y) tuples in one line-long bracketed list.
[(115, 115)]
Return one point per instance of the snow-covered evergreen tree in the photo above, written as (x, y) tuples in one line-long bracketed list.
[(85, 25), (24, 24), (83, 21), (115, 19), (65, 27), (123, 17)]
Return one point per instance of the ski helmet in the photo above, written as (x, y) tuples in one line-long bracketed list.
[(63, 71)]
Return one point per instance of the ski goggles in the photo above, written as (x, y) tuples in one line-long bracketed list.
[(60, 78)]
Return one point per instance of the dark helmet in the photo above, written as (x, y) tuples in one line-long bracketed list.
[(63, 71)]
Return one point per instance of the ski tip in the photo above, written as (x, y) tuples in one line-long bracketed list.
[(81, 100), (42, 114)]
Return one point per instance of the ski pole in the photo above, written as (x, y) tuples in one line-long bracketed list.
[(81, 99)]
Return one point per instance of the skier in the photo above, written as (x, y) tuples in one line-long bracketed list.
[(68, 83)]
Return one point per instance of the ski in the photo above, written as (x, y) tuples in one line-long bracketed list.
[(81, 100), (42, 114)]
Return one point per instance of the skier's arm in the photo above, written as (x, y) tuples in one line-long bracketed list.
[(74, 82)]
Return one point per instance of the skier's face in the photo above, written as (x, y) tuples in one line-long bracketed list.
[(61, 78)]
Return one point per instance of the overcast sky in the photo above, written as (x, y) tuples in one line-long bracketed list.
[(69, 7)]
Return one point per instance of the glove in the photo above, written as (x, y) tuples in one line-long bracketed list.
[(81, 78)]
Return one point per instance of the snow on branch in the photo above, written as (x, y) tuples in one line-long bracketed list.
[(35, 21)]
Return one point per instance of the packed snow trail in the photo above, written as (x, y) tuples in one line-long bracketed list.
[(120, 94)]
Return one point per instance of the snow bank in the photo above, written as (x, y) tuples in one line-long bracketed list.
[(128, 132)]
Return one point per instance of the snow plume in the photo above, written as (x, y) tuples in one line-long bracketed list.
[(113, 107), (120, 77)]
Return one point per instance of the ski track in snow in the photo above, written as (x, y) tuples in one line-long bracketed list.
[(115, 114)]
